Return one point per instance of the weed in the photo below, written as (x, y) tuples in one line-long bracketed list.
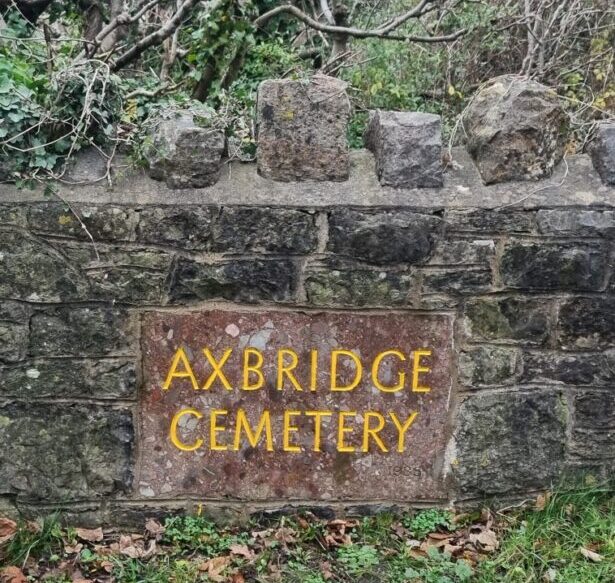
[(426, 521), (32, 541), (358, 560)]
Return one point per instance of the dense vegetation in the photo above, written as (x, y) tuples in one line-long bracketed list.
[(86, 72)]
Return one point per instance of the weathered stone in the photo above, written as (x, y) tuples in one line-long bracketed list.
[(239, 280), (382, 237), (462, 252), (461, 280), (602, 151), (104, 223), (13, 215), (82, 331), (34, 271), (488, 365), (587, 323), (14, 327), (508, 319), (554, 266), (570, 369), (516, 130), (489, 221), (186, 151), (509, 442), (407, 147), (181, 227), (576, 223), (273, 230), (593, 429), (335, 284), (97, 379), (302, 129), (60, 451)]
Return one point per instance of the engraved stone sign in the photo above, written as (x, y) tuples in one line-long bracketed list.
[(301, 405)]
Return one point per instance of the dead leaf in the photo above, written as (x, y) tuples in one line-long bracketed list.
[(73, 549), (591, 555), (154, 529), (8, 528), (487, 540), (242, 551), (214, 567), (237, 578), (90, 535), (542, 500), (12, 575), (326, 570)]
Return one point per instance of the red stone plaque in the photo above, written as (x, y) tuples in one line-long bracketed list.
[(277, 405)]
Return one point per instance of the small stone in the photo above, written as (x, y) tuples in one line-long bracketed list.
[(554, 266), (457, 280), (587, 324), (570, 369), (407, 147), (593, 429), (382, 237), (602, 152), (488, 365), (184, 228), (516, 130), (485, 221), (185, 152), (301, 128), (577, 223), (463, 252), (14, 329)]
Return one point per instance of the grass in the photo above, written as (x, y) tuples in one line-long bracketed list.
[(429, 546)]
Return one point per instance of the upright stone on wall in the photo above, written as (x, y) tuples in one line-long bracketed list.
[(407, 147), (302, 129), (516, 130), (602, 151)]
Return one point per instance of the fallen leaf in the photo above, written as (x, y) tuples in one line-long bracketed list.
[(326, 570), (214, 567), (12, 575), (242, 551), (90, 535), (487, 540), (73, 549), (238, 578), (591, 555), (154, 528), (542, 500), (8, 528)]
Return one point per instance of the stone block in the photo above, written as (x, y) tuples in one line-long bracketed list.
[(602, 151), (516, 320), (569, 369), (72, 331), (576, 223), (61, 451), (34, 271), (509, 442), (487, 221), (186, 150), (383, 237), (301, 129), (558, 266), (64, 379), (488, 366), (336, 284), (14, 327), (15, 215), (104, 223), (407, 147), (457, 280), (516, 130), (181, 227), (268, 230), (469, 252), (593, 429), (587, 323), (238, 280)]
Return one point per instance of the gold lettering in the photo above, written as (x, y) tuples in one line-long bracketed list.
[(288, 429), (180, 356), (418, 369), (253, 436), (214, 428), (375, 369), (286, 369), (217, 369), (252, 368), (335, 354), (318, 415), (402, 428), (342, 430), (313, 369), (173, 433), (373, 432)]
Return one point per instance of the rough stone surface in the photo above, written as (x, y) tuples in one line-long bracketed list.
[(556, 266), (488, 365), (63, 379), (576, 223), (602, 151), (457, 281), (346, 285), (14, 320), (238, 280), (469, 252), (382, 238), (593, 430), (515, 320), (510, 442), (302, 129), (14, 215), (62, 451), (516, 130), (82, 331), (181, 227), (240, 230), (587, 324), (570, 369), (185, 153), (32, 270), (407, 147), (489, 221)]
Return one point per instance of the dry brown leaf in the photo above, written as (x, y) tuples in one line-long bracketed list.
[(94, 535), (154, 528), (591, 555), (285, 535), (487, 540), (73, 549), (542, 500), (439, 535), (326, 570), (12, 575), (8, 528), (237, 578), (214, 567), (242, 551)]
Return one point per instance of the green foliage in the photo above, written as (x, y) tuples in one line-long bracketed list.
[(33, 541), (358, 560), (435, 568), (426, 521)]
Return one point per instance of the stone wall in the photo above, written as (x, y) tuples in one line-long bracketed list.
[(525, 272)]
